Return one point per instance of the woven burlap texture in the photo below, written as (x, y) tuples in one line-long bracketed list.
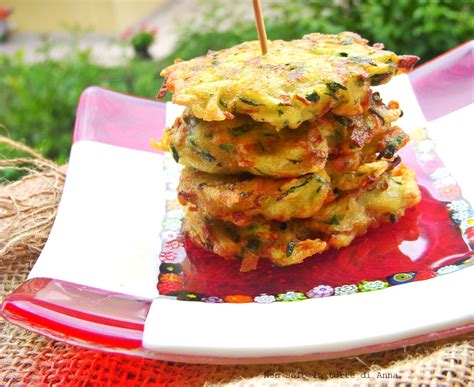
[(27, 210)]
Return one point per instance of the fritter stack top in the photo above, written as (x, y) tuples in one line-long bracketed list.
[(290, 153)]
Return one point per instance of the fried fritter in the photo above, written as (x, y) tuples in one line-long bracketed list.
[(335, 225), (243, 145), (295, 81), (244, 198), (241, 199)]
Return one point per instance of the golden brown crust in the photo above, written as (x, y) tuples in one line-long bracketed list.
[(242, 145), (335, 225), (241, 199), (296, 81)]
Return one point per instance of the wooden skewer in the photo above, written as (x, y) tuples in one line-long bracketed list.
[(262, 34)]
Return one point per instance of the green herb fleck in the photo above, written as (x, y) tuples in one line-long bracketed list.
[(396, 181), (377, 79), (291, 247), (249, 101), (362, 60), (392, 146), (344, 54), (261, 172), (174, 152), (296, 187), (295, 161), (239, 130), (223, 102), (313, 97), (332, 95), (229, 148), (334, 220), (335, 86), (393, 218), (203, 153), (280, 112)]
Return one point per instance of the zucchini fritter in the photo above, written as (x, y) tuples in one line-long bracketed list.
[(335, 225), (243, 145), (241, 199), (296, 81)]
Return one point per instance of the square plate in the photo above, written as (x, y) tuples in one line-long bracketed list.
[(117, 234)]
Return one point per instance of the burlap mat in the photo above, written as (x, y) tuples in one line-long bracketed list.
[(27, 210)]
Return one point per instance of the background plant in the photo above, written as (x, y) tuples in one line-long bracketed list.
[(38, 101), (142, 40), (425, 28)]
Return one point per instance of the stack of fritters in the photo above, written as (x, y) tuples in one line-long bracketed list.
[(291, 153)]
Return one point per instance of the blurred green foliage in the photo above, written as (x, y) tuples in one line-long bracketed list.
[(425, 28), (142, 40), (38, 101)]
